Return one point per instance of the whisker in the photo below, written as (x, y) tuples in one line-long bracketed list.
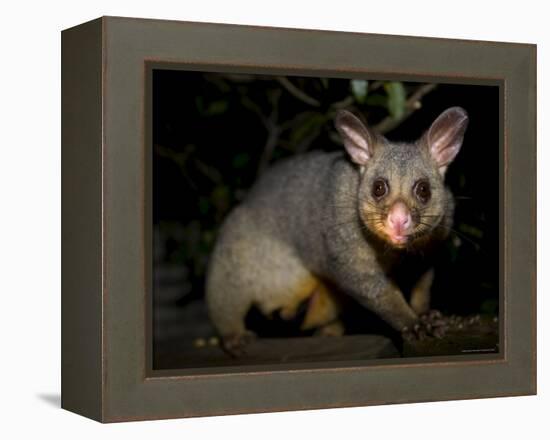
[(349, 222), (458, 233)]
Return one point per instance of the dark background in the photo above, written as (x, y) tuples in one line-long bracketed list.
[(214, 134)]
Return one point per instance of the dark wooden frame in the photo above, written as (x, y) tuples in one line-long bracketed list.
[(106, 231)]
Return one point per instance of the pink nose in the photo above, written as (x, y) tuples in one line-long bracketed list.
[(399, 218)]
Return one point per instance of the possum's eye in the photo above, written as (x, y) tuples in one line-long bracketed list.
[(379, 188), (422, 190)]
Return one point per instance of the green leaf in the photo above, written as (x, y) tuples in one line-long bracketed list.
[(241, 160), (204, 205), (471, 230), (208, 238), (377, 100), (221, 198), (213, 108), (359, 88), (310, 123), (199, 103), (216, 108), (396, 98)]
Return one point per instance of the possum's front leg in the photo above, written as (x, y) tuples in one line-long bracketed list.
[(420, 295), (389, 303), (391, 306), (357, 273)]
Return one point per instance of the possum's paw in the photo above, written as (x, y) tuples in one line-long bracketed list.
[(432, 323), (235, 345)]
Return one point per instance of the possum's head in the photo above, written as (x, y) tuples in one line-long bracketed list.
[(402, 197)]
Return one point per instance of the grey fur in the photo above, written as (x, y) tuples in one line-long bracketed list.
[(308, 216)]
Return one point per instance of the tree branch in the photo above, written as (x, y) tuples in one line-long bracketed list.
[(412, 104), (297, 93)]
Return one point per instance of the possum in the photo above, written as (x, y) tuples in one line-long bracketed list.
[(343, 219)]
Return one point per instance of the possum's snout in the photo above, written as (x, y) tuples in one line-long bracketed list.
[(398, 224)]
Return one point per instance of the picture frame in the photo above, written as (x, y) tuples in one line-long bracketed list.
[(107, 370)]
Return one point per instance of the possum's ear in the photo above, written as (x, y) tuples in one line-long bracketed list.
[(357, 138), (444, 137)]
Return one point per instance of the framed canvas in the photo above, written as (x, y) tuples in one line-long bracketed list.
[(207, 170)]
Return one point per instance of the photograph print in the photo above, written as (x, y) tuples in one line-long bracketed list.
[(303, 219)]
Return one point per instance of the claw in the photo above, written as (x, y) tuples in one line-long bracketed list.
[(432, 323)]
